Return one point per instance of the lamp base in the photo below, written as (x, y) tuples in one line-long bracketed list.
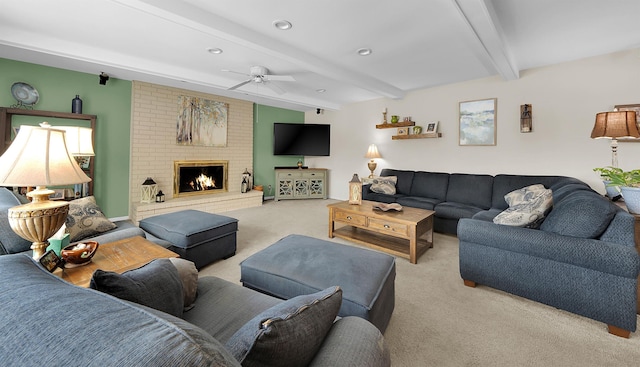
[(39, 220), (372, 167)]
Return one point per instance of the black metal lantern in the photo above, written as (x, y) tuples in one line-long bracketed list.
[(160, 197)]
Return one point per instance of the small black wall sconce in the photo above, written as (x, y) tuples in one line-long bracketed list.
[(103, 78), (526, 125)]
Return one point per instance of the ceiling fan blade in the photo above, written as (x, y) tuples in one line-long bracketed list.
[(235, 72), (281, 78), (239, 85), (275, 88)]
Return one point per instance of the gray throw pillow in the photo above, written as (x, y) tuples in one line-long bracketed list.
[(385, 185), (288, 334), (156, 285), (527, 207), (86, 219), (189, 277)]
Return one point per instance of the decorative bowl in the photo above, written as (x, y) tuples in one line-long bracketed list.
[(79, 253)]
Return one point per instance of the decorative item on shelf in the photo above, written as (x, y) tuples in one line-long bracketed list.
[(160, 197), (614, 125), (76, 104), (525, 118), (417, 130), (395, 119), (407, 119), (355, 190), (38, 157), (432, 127), (246, 181), (300, 163), (79, 254), (384, 115), (403, 131), (372, 153), (148, 191), (25, 94)]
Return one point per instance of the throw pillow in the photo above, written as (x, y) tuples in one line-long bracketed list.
[(189, 277), (287, 334), (527, 207), (385, 185), (86, 219), (523, 195), (156, 285)]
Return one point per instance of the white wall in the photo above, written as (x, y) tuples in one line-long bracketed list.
[(565, 99)]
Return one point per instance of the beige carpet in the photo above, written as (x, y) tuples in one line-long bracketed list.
[(438, 321)]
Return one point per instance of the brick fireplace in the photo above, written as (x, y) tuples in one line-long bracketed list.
[(154, 152), (201, 177)]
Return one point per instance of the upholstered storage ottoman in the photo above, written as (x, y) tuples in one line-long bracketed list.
[(298, 265), (195, 235)]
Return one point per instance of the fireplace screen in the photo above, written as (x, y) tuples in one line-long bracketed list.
[(199, 177)]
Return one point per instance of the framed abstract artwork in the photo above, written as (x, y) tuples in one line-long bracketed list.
[(477, 121)]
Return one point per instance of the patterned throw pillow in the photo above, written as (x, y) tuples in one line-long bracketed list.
[(85, 219), (289, 333), (527, 207), (385, 185)]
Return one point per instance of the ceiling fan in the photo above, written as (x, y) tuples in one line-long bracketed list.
[(260, 75)]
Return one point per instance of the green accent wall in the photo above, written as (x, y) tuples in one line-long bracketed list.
[(110, 102), (263, 159)]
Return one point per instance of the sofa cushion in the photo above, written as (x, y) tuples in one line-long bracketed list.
[(287, 334), (405, 179), (86, 219), (156, 285), (581, 214), (527, 207), (10, 242), (469, 189), (189, 277), (430, 185), (450, 210), (384, 185), (418, 202)]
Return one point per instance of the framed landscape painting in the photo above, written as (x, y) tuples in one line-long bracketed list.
[(478, 122)]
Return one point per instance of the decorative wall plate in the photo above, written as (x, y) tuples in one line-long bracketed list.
[(25, 94)]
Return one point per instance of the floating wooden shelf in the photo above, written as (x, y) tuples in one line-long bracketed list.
[(417, 136), (396, 125)]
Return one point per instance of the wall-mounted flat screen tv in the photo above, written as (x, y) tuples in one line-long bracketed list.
[(301, 139)]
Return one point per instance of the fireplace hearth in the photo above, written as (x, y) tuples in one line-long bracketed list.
[(200, 177)]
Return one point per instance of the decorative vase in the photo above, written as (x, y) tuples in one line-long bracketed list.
[(76, 104), (417, 130), (631, 196), (613, 192), (394, 119)]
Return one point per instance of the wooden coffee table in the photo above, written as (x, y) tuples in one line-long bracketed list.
[(407, 233), (118, 256)]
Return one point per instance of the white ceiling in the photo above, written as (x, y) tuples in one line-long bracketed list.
[(415, 43)]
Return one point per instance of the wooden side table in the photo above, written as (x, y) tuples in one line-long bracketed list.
[(118, 256)]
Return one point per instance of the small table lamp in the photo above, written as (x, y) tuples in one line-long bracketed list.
[(372, 153), (38, 157), (614, 125)]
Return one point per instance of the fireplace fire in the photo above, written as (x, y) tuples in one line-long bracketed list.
[(199, 177)]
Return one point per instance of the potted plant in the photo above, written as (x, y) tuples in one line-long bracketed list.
[(629, 184), (613, 191)]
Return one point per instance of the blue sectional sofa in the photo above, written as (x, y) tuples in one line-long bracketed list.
[(582, 258)]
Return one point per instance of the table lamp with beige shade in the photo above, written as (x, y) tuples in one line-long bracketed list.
[(614, 125), (38, 157), (372, 153)]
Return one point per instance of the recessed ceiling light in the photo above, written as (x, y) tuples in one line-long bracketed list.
[(364, 51), (321, 90), (214, 50), (282, 25)]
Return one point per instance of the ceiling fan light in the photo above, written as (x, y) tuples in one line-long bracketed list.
[(282, 25)]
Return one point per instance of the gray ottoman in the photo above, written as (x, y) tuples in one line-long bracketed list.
[(195, 235), (298, 265)]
